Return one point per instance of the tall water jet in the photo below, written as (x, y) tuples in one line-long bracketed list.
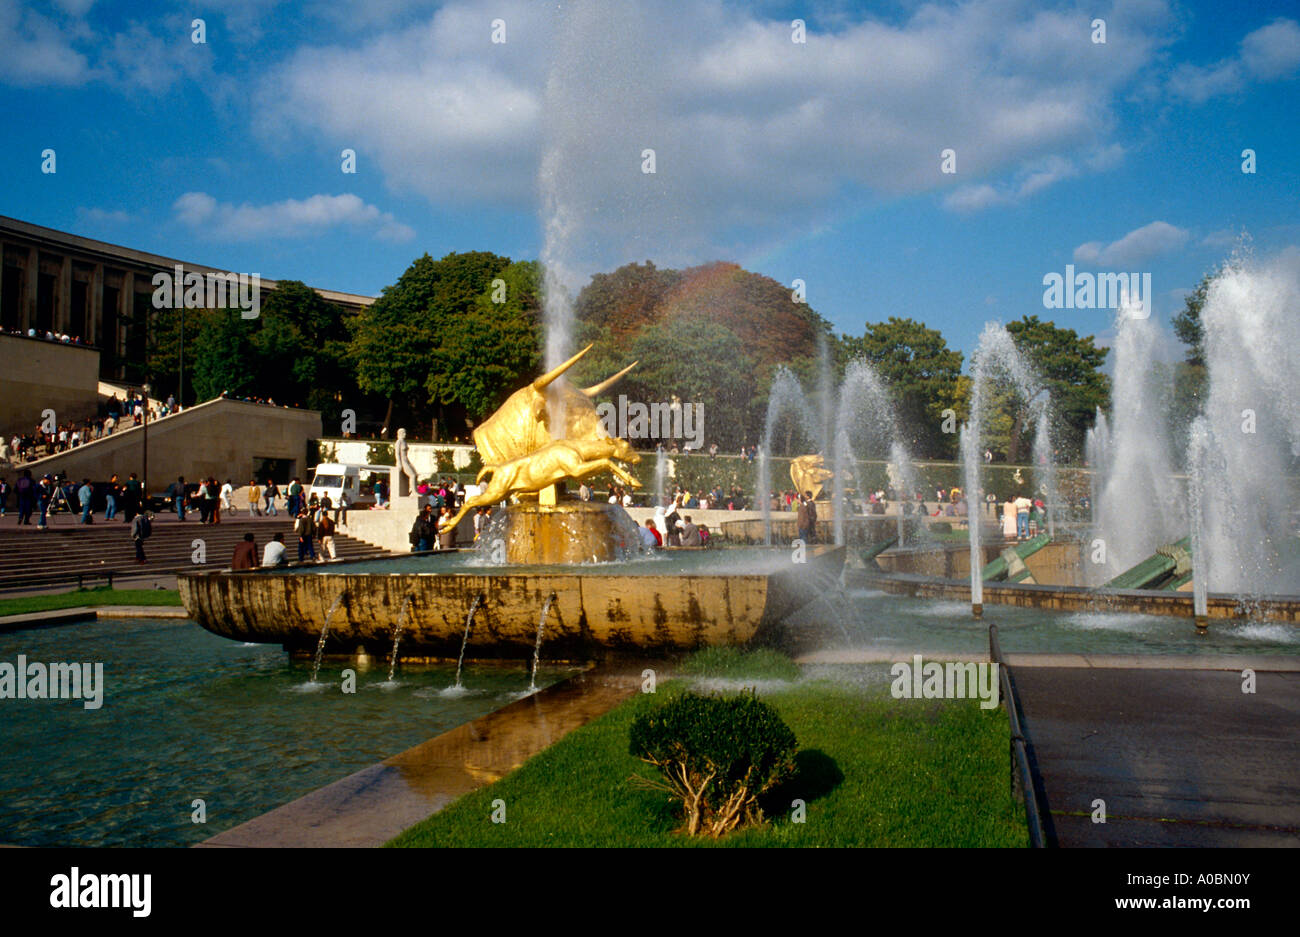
[(397, 636), (661, 477), (900, 460), (1198, 447), (968, 442), (825, 394), (1044, 470), (464, 642), (863, 414), (537, 648), (1251, 325), (995, 358), (324, 633), (786, 398), (1137, 505)]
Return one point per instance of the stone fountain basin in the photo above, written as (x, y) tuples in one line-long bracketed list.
[(655, 611)]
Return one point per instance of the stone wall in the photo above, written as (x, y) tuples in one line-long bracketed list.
[(221, 438), (36, 375)]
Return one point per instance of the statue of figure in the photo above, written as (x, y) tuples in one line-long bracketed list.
[(405, 471), (809, 473)]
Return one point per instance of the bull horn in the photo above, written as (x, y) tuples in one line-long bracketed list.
[(541, 383), (609, 382)]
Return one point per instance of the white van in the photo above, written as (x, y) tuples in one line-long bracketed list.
[(334, 478)]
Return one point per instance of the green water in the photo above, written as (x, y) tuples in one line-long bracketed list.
[(188, 715)]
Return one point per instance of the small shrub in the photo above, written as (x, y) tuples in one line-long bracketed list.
[(716, 755), (941, 527)]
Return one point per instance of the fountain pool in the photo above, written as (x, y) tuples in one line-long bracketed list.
[(189, 715)]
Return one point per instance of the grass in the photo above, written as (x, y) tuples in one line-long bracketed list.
[(873, 771), (79, 598), (732, 663)]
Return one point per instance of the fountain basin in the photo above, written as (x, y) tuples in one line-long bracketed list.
[(641, 608)]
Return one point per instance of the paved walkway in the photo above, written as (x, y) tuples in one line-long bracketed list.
[(1180, 757)]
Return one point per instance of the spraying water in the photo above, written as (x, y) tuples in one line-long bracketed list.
[(537, 648), (786, 398), (324, 633), (397, 636), (1198, 448), (464, 642), (865, 415)]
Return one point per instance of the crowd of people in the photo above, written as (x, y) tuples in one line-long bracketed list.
[(120, 412), (48, 336)]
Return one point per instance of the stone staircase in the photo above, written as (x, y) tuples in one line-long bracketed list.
[(66, 551)]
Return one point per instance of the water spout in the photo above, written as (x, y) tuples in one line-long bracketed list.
[(537, 648), (324, 633), (469, 620), (397, 636)]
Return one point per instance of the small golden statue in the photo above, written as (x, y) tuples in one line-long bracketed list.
[(809, 473), (522, 454)]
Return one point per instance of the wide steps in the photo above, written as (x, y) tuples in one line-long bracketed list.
[(66, 551)]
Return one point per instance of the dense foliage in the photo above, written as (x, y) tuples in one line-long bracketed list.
[(717, 755)]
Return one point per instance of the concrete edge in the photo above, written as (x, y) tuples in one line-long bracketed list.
[(69, 616), (1257, 662)]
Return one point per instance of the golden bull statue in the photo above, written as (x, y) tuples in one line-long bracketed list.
[(522, 452), (809, 473)]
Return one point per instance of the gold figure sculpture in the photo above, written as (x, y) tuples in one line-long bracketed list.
[(809, 473), (523, 455)]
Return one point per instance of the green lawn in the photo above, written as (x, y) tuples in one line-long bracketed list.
[(874, 771), (24, 604)]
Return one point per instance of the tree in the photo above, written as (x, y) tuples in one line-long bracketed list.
[(223, 353), (393, 339), (300, 340), (1069, 366), (490, 349), (1187, 324), (923, 375)]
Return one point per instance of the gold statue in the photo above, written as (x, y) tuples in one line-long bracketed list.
[(520, 453), (809, 473)]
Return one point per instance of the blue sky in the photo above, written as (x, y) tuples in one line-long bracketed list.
[(818, 160)]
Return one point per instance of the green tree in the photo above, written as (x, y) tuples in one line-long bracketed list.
[(1069, 367), (393, 339), (923, 375), (301, 341), (223, 353)]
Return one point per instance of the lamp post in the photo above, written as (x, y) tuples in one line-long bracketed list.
[(144, 456)]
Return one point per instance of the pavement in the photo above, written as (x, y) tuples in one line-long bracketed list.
[(1180, 757)]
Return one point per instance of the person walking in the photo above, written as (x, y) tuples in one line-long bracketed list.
[(84, 495), (141, 530), (227, 492), (254, 498), (271, 492), (306, 532), (325, 530), (4, 496), (341, 510), (44, 495)]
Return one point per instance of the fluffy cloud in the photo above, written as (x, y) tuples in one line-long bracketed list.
[(1138, 245), (37, 49), (288, 218), (1267, 54), (751, 131)]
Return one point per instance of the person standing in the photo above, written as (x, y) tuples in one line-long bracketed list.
[(132, 498), (690, 534), (84, 495), (254, 498), (4, 496), (44, 495), (446, 534), (325, 529), (806, 517), (341, 510), (110, 499), (176, 491), (227, 492), (295, 497), (214, 502), (25, 493), (306, 532), (141, 530)]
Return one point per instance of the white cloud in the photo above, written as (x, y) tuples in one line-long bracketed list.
[(752, 133), (103, 216), (288, 218), (38, 50), (1141, 244), (1269, 53)]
